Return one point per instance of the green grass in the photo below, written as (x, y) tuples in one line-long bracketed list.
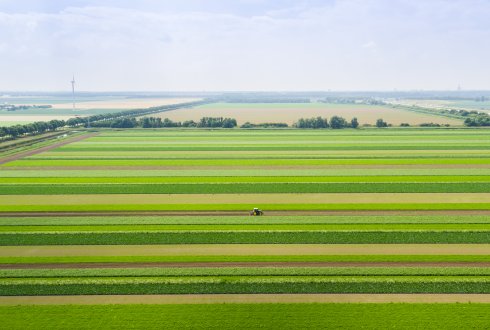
[(244, 220), (248, 316), (245, 284), (245, 237)]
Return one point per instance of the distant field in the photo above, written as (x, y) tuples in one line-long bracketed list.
[(290, 113), (449, 104), (62, 107)]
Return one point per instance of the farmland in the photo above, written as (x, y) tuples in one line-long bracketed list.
[(380, 213), (288, 112)]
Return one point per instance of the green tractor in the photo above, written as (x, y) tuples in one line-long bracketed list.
[(256, 212)]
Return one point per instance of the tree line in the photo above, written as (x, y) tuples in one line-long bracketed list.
[(336, 122), (155, 122), (13, 132)]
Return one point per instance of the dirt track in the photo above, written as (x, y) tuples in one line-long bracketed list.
[(244, 213), (27, 153), (88, 265), (243, 250), (245, 299)]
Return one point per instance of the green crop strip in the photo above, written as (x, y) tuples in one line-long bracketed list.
[(247, 227), (243, 271), (245, 188), (245, 237), (254, 258), (248, 162), (276, 284), (243, 207)]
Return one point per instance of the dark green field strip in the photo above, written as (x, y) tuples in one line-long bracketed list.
[(240, 258), (201, 285), (248, 227), (243, 271), (245, 179), (244, 188), (247, 162), (248, 237), (245, 220), (248, 316), (243, 207)]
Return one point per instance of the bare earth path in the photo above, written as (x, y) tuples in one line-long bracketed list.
[(87, 265), (244, 250), (27, 153), (245, 299)]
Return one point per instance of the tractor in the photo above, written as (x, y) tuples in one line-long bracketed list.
[(256, 212)]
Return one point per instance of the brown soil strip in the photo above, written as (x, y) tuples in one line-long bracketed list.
[(45, 148), (245, 299), (90, 265), (244, 250), (243, 213)]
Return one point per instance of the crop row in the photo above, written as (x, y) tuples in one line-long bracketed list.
[(245, 237), (244, 207), (244, 174), (244, 271), (244, 188), (291, 259), (358, 179), (248, 227), (247, 162), (245, 221), (246, 285)]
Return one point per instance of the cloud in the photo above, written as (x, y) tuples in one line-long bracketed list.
[(245, 45)]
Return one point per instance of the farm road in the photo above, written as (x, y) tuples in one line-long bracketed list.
[(31, 152)]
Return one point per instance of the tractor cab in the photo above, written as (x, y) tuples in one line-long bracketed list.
[(256, 211)]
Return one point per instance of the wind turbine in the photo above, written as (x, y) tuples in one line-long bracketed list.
[(73, 91)]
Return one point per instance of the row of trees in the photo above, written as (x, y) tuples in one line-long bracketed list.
[(335, 122), (31, 129), (482, 119), (122, 119), (153, 122)]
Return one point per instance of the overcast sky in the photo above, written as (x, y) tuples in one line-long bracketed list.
[(209, 45)]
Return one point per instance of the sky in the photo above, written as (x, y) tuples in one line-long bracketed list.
[(244, 45)]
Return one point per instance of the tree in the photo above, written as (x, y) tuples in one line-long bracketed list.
[(354, 123), (337, 122), (380, 123)]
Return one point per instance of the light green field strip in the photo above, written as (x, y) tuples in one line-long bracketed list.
[(242, 220), (256, 199), (316, 298), (270, 153), (342, 172), (246, 162), (244, 250), (244, 179), (248, 228)]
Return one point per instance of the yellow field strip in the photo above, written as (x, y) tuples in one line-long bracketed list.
[(244, 249), (330, 198), (244, 299)]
